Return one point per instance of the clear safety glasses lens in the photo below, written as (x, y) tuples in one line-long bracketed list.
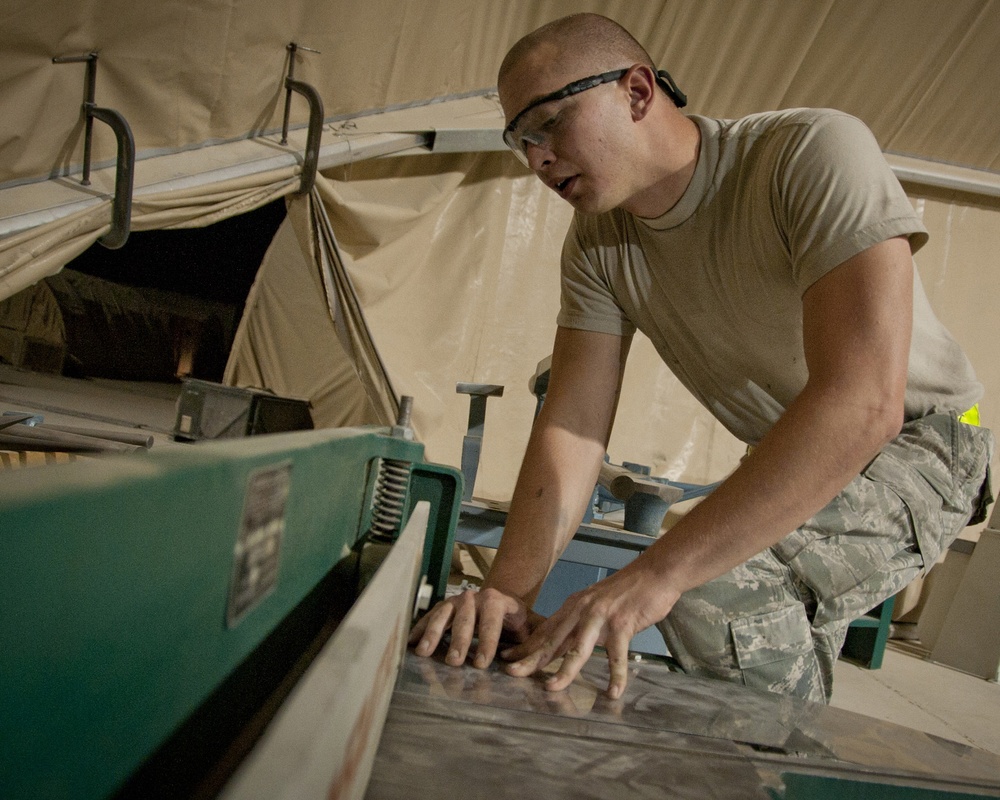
[(520, 132), (518, 143)]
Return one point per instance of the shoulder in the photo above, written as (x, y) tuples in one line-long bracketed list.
[(789, 129), (802, 141), (803, 128), (595, 244), (789, 120)]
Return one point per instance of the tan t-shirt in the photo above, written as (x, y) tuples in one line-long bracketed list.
[(776, 201)]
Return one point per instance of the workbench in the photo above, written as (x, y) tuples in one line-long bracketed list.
[(463, 732)]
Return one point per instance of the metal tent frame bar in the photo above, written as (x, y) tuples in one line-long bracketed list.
[(466, 123)]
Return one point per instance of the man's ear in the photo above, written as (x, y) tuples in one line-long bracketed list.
[(641, 83)]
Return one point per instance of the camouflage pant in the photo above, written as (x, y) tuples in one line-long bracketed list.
[(778, 621)]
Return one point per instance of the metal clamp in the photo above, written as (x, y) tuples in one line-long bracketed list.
[(310, 161), (121, 209)]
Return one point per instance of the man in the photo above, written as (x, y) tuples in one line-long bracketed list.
[(769, 261)]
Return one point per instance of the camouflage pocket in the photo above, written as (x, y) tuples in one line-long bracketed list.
[(936, 466), (768, 646)]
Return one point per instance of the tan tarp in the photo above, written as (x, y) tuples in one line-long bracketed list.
[(32, 254), (288, 342), (922, 73), (453, 258), (188, 75), (305, 334)]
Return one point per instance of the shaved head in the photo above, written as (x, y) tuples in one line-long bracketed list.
[(586, 42), (626, 145)]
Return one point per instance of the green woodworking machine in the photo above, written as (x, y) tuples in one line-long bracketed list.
[(158, 610)]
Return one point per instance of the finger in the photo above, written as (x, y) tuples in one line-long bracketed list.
[(551, 640), (617, 649), (533, 660), (521, 623), (463, 628), (532, 643), (542, 633), (418, 628), (492, 613), (573, 661), (431, 628), (552, 637)]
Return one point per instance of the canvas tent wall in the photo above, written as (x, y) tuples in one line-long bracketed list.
[(452, 258)]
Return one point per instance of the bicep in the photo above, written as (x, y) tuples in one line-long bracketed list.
[(857, 322)]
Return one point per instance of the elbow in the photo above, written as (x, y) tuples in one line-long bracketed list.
[(886, 421), (868, 418)]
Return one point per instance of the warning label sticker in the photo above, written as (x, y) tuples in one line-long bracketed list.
[(256, 555)]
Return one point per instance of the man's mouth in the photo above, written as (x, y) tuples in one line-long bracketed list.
[(563, 185)]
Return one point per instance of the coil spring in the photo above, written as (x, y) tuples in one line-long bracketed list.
[(390, 492)]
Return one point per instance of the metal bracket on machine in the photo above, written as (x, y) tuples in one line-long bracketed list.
[(645, 498), (121, 210), (310, 160), (472, 444)]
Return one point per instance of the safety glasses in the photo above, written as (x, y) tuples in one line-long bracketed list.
[(539, 122)]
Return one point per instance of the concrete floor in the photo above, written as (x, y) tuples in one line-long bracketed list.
[(907, 690)]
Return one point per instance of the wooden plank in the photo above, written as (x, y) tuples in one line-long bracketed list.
[(323, 740), (623, 484)]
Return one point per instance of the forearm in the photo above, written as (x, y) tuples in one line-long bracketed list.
[(555, 483), (557, 478), (824, 439), (564, 454), (817, 446)]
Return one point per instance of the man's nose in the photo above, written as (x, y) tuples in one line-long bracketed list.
[(538, 155)]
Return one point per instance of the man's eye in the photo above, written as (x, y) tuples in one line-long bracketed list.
[(551, 122)]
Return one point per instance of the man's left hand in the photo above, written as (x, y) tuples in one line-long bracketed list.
[(608, 613)]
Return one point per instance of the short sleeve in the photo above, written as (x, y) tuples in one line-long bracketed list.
[(838, 196), (587, 301)]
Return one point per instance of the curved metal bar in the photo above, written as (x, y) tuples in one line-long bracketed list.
[(121, 209), (310, 160)]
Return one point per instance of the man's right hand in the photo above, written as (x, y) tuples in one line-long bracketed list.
[(561, 464), (489, 613)]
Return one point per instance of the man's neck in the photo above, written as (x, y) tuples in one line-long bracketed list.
[(673, 158)]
